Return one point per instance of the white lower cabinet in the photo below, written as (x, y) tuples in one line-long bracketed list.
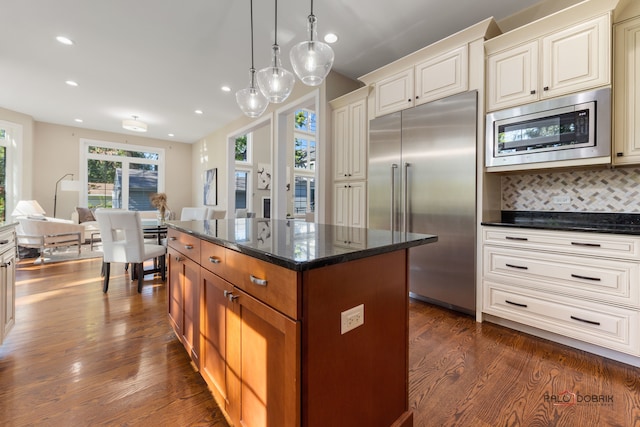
[(584, 286)]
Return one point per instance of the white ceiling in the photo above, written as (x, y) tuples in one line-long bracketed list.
[(163, 59)]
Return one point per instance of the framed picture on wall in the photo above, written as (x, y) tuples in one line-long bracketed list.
[(211, 187)]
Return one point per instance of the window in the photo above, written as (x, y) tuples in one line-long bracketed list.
[(304, 135), (243, 148), (242, 189), (122, 176), (304, 195)]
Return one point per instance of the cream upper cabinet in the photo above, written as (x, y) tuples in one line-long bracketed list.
[(566, 61), (394, 93), (577, 58), (626, 129), (434, 78), (350, 141), (513, 76), (442, 76)]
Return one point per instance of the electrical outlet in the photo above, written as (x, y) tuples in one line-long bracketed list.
[(351, 319), (561, 200)]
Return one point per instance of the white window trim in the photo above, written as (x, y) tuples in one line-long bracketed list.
[(249, 172), (13, 158)]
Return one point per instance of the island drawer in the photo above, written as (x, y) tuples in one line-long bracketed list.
[(276, 286), (7, 240), (212, 257), (582, 243), (184, 243), (599, 279), (612, 327)]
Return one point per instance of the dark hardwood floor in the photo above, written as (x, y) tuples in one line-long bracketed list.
[(77, 357)]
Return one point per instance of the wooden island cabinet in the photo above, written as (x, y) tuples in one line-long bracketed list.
[(295, 327)]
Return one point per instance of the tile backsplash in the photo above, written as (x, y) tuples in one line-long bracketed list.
[(603, 190)]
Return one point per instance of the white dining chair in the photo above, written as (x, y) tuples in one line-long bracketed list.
[(193, 213), (123, 241)]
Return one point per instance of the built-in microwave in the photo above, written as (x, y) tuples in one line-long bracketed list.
[(571, 127)]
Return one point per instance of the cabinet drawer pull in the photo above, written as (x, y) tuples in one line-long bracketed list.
[(515, 303), (256, 281), (187, 247), (214, 260), (591, 322), (5, 264), (4, 242), (592, 245), (577, 276), (173, 238), (519, 267), (179, 258), (522, 239)]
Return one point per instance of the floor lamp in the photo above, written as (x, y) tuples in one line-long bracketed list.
[(67, 185)]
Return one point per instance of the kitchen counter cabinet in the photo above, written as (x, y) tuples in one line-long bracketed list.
[(271, 344), (580, 285), (7, 279), (183, 287)]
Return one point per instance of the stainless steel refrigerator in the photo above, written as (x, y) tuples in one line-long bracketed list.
[(422, 178)]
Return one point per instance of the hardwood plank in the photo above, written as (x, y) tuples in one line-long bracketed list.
[(79, 357)]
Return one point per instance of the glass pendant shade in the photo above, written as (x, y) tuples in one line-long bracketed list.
[(275, 82), (250, 100), (311, 60)]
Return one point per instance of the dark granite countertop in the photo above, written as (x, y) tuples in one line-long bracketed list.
[(299, 245), (612, 223)]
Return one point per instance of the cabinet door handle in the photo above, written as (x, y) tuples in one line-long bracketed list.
[(592, 245), (515, 303), (409, 100), (577, 276), (591, 322), (230, 296), (5, 264), (256, 281), (545, 88), (179, 258), (188, 247), (533, 92), (521, 239), (519, 267), (214, 260)]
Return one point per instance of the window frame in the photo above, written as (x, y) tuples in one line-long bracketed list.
[(85, 156)]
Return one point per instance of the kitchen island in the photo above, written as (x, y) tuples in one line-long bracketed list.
[(294, 323)]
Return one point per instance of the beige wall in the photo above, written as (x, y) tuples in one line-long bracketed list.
[(57, 152)]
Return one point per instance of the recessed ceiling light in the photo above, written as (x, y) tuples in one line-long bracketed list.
[(331, 38), (65, 40), (225, 89), (199, 112), (71, 83), (78, 120)]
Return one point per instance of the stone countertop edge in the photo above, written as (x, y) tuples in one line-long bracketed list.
[(606, 223), (291, 264)]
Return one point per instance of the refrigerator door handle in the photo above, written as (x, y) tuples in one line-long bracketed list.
[(406, 197), (393, 196)]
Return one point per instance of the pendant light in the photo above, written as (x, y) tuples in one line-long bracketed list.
[(275, 82), (250, 100), (311, 60)]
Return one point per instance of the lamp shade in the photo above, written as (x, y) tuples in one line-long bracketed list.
[(134, 125), (28, 208), (69, 185), (311, 60)]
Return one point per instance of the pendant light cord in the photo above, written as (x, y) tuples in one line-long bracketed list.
[(251, 14), (275, 32)]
